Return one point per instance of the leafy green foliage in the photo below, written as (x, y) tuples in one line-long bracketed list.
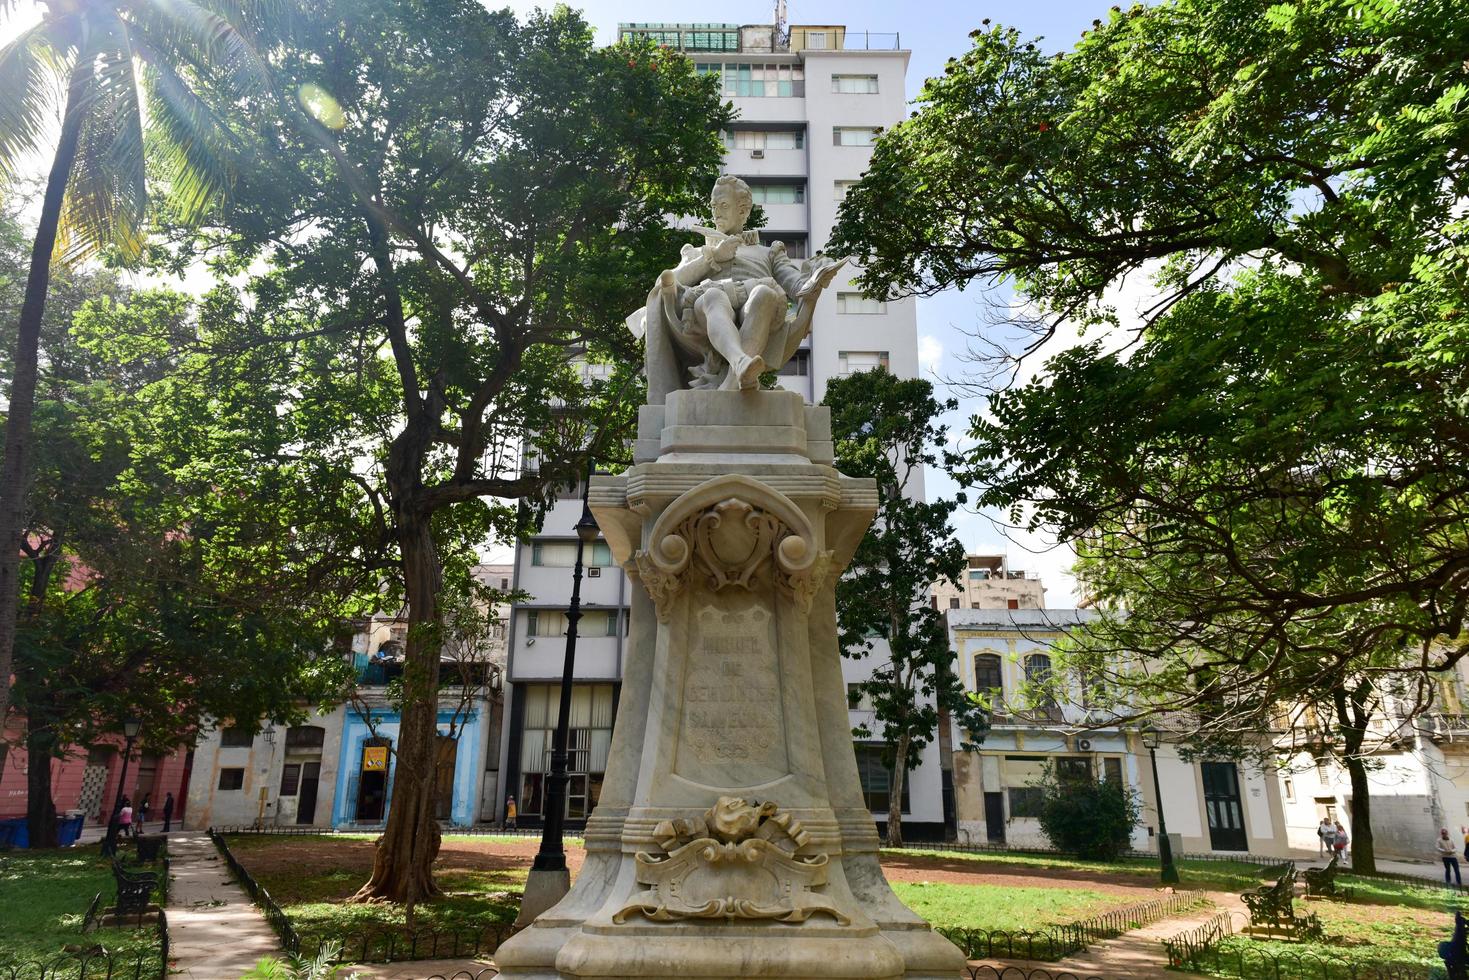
[(45, 895), (1089, 818), (1270, 479), (885, 428)]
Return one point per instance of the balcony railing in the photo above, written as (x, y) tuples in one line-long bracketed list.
[(1445, 727), (828, 39)]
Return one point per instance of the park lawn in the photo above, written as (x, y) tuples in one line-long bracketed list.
[(1217, 875), (44, 896), (311, 878), (1001, 908), (1359, 934)]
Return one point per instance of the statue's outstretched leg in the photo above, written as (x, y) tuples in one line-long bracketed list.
[(744, 367)]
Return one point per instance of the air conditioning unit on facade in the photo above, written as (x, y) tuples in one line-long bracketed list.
[(757, 154), (594, 572), (1084, 745)]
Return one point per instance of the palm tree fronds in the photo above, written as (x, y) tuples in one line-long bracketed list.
[(30, 89), (189, 145), (107, 195), (194, 33)]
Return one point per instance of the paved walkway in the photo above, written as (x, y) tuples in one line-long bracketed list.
[(215, 931)]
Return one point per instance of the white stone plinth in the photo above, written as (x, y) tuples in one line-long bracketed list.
[(731, 838)]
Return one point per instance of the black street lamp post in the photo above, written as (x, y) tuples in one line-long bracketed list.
[(130, 729), (549, 878), (1165, 847)]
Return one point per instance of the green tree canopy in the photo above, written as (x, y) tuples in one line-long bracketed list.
[(450, 212), (1271, 480)]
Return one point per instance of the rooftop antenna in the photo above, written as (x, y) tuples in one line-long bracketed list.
[(782, 32)]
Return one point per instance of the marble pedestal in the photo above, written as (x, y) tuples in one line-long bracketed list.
[(731, 839)]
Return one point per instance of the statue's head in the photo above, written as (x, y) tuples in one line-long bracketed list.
[(731, 203)]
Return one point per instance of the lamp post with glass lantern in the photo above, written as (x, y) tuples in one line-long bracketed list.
[(549, 880), (130, 729), (1152, 739)]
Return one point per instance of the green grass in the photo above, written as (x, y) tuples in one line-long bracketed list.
[(1002, 908), (1216, 875), (44, 895), (314, 899)]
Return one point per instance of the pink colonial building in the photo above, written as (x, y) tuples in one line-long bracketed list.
[(86, 779)]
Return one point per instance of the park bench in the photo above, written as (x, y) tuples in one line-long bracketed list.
[(1322, 881), (1455, 952), (148, 847), (1272, 908), (134, 889)]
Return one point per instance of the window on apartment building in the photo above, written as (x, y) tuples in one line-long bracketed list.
[(840, 188), (1019, 774), (854, 135), (290, 778), (795, 245), (856, 303), (1321, 773), (757, 81), (817, 40), (1038, 678), (688, 40), (236, 737), (1012, 603), (1288, 787), (1112, 770), (778, 193), (562, 554), (953, 602), (1025, 802), (1073, 769), (858, 699), (765, 139), (799, 366), (987, 675), (589, 737), (231, 779), (852, 361), (552, 622), (877, 780), (305, 737), (854, 84)]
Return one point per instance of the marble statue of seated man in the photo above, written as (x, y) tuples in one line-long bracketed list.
[(723, 316)]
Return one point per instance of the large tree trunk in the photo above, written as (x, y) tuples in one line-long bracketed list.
[(402, 869), (40, 808), (1352, 720), (895, 800), (22, 394)]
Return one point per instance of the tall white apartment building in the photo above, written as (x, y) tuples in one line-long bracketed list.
[(811, 101)]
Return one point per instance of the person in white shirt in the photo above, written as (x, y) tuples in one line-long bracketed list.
[(1449, 851)]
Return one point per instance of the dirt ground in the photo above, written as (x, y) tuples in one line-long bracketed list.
[(308, 856)]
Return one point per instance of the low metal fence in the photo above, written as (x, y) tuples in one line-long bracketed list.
[(390, 945), (1250, 962), (1016, 973), (1068, 938), (274, 914), (450, 831), (97, 963)]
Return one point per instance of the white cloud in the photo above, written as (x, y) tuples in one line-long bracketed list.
[(930, 353)]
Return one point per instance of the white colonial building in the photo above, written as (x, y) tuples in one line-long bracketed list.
[(1208, 805)]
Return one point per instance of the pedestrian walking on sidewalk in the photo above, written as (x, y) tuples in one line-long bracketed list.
[(1342, 840), (1327, 833), (143, 809), (167, 812), (125, 818), (1450, 854)]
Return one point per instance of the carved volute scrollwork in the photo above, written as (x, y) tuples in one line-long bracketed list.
[(724, 532), (738, 860)]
